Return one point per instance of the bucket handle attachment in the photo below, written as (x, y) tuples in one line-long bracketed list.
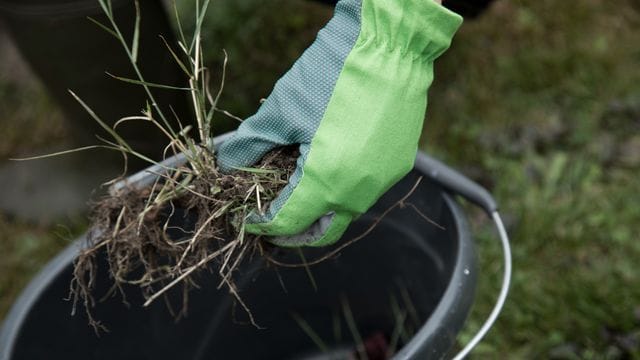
[(457, 183)]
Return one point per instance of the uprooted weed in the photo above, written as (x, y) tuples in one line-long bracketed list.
[(157, 245), (157, 237)]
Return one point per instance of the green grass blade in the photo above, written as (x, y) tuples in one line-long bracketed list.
[(136, 33), (257, 171), (410, 306), (112, 132), (147, 89), (353, 327), (337, 327), (178, 22), (103, 26), (214, 102), (199, 19), (65, 152), (175, 57), (146, 83), (128, 150), (307, 269), (106, 7), (229, 115), (400, 317), (317, 340), (222, 81), (185, 130)]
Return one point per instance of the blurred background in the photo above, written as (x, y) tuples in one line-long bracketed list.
[(537, 100)]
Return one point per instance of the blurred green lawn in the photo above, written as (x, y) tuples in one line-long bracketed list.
[(539, 101)]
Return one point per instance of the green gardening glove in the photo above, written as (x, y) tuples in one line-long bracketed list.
[(355, 103)]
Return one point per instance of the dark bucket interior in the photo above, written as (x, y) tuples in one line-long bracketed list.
[(405, 261)]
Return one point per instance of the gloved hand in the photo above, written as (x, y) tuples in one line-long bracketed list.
[(355, 102)]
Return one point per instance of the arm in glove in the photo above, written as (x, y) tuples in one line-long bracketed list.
[(355, 102)]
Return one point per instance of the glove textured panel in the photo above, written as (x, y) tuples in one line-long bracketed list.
[(290, 115)]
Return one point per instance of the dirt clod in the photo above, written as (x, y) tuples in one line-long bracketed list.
[(159, 237)]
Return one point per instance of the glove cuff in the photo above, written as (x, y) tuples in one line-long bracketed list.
[(418, 27)]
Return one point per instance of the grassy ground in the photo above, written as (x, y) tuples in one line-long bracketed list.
[(539, 101), (28, 121)]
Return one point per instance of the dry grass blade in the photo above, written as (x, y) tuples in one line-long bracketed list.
[(188, 272)]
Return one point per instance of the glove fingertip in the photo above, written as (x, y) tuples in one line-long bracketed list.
[(334, 232), (325, 231)]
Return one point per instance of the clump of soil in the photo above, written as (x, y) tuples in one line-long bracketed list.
[(158, 244)]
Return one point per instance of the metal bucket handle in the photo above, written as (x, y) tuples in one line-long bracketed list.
[(459, 184)]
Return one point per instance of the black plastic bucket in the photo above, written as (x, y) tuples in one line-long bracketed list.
[(429, 271)]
